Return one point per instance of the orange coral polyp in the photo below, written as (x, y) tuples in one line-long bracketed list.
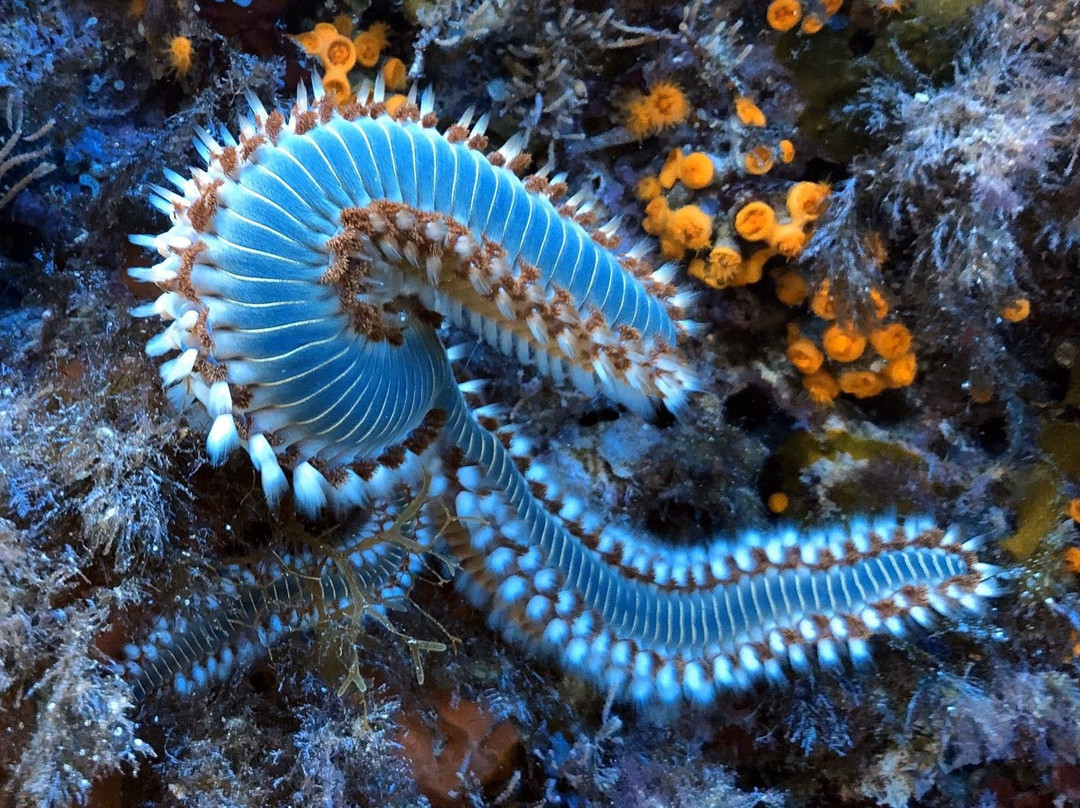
[(748, 112), (759, 160), (669, 104), (1073, 511), (756, 221), (787, 150), (844, 344), (791, 289), (822, 303), (892, 341), (368, 48), (339, 54), (806, 201), (753, 268), (336, 84), (669, 172), (783, 15), (395, 102), (696, 171), (1017, 310), (691, 227), (811, 24), (648, 189), (861, 383), (778, 502), (671, 248), (664, 105), (343, 23), (639, 118), (723, 266), (900, 372), (395, 74), (656, 216), (788, 239), (309, 41), (180, 53), (380, 33), (805, 356), (822, 386), (881, 305)]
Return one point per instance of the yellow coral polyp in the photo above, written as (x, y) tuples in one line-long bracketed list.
[(892, 341), (656, 216), (671, 248), (180, 52), (783, 15), (791, 289), (753, 268), (343, 24), (900, 372), (395, 74), (368, 47), (338, 54), (639, 119), (1017, 310), (881, 305), (805, 356), (395, 102), (1073, 512), (691, 227), (309, 41), (821, 386), (788, 239), (822, 303), (759, 160), (669, 172), (696, 171), (861, 383), (669, 104), (648, 189), (806, 201), (778, 502), (748, 112), (756, 221), (380, 33), (663, 106), (722, 267), (843, 343), (336, 84)]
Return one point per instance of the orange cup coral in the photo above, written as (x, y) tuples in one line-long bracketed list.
[(696, 171), (755, 221), (783, 15), (844, 344)]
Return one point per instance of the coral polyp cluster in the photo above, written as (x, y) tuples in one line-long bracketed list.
[(340, 51), (811, 16)]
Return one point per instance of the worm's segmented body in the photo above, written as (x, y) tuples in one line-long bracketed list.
[(305, 273)]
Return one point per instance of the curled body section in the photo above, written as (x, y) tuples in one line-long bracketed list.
[(661, 625)]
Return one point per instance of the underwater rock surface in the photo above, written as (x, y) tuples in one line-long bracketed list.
[(870, 214)]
